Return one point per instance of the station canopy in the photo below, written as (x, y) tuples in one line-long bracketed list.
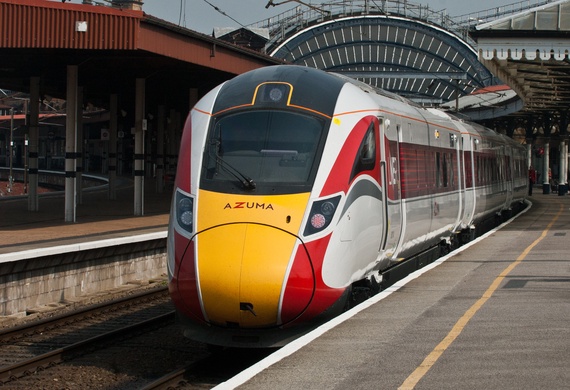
[(529, 51)]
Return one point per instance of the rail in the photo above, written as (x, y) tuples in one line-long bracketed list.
[(122, 321)]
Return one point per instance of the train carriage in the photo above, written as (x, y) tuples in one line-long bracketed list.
[(298, 189)]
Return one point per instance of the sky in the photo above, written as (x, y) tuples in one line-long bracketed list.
[(202, 16)]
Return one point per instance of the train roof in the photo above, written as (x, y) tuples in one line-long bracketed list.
[(311, 88), (379, 91)]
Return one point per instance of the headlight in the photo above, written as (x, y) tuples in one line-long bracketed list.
[(185, 211), (322, 213)]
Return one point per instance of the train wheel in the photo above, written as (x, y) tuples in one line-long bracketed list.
[(362, 290), (444, 247)]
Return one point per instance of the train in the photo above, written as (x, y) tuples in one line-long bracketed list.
[(298, 190)]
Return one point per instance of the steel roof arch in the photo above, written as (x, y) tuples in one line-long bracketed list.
[(408, 46)]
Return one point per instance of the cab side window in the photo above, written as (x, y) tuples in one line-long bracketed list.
[(366, 157)]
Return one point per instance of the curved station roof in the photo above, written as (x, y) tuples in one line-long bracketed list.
[(412, 58)]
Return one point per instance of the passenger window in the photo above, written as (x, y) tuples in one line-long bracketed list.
[(437, 171), (444, 170), (451, 171)]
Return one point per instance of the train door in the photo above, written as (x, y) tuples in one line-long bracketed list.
[(390, 163), (507, 171), (469, 177), (457, 142), (383, 182)]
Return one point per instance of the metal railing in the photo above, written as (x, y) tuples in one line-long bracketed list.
[(475, 18), (285, 24)]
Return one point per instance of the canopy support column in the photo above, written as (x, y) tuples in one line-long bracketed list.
[(140, 127), (34, 135), (113, 128), (71, 144)]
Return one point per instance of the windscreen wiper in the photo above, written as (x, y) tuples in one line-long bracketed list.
[(245, 180)]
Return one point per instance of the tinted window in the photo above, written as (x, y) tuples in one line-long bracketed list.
[(366, 157), (271, 148)]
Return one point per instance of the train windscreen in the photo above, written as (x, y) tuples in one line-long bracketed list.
[(263, 150)]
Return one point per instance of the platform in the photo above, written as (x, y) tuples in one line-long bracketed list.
[(48, 263), (97, 218), (494, 316)]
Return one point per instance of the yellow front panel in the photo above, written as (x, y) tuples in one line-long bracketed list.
[(217, 209), (265, 260), (219, 271), (247, 266), (243, 254)]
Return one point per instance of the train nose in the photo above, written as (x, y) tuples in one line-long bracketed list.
[(242, 269)]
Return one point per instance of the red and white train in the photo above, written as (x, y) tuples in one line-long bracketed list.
[(297, 189)]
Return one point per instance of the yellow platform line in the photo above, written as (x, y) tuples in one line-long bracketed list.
[(412, 380)]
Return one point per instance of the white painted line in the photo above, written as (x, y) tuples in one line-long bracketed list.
[(299, 343), (81, 246)]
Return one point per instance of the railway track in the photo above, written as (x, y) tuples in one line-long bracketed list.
[(34, 347), (133, 343), (93, 313), (210, 371)]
